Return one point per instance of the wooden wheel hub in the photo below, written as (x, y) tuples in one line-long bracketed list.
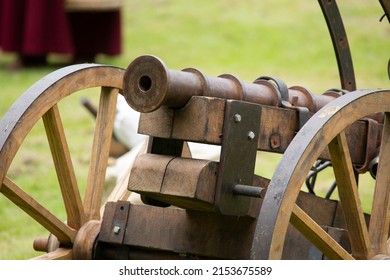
[(83, 246)]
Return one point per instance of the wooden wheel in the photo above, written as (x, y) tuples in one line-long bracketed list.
[(326, 130), (75, 236)]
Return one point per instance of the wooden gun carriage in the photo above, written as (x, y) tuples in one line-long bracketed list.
[(213, 209)]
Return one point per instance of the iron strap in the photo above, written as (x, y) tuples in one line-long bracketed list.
[(340, 43)]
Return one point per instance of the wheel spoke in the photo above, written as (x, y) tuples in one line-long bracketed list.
[(64, 168), (349, 197), (34, 209), (380, 215), (100, 152), (59, 254), (316, 235)]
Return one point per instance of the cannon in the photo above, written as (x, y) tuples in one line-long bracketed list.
[(194, 208)]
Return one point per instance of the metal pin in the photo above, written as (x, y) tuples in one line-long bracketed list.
[(251, 191)]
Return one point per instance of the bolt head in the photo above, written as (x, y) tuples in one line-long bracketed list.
[(237, 118), (251, 135), (117, 229)]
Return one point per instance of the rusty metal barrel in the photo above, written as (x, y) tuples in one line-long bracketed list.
[(148, 84)]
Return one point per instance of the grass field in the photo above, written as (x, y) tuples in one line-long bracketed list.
[(287, 39)]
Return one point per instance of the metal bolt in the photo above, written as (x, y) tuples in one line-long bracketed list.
[(251, 135), (117, 229), (237, 118)]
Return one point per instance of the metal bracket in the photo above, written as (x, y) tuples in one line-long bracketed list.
[(112, 232), (114, 222), (303, 113), (238, 156), (371, 145)]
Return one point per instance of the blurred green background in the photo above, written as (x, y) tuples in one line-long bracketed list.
[(247, 38)]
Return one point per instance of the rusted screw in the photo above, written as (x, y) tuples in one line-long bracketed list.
[(275, 141), (294, 100)]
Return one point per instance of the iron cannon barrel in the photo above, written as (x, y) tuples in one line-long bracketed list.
[(148, 84)]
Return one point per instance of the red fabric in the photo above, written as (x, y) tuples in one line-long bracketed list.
[(39, 27), (34, 27), (96, 32)]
